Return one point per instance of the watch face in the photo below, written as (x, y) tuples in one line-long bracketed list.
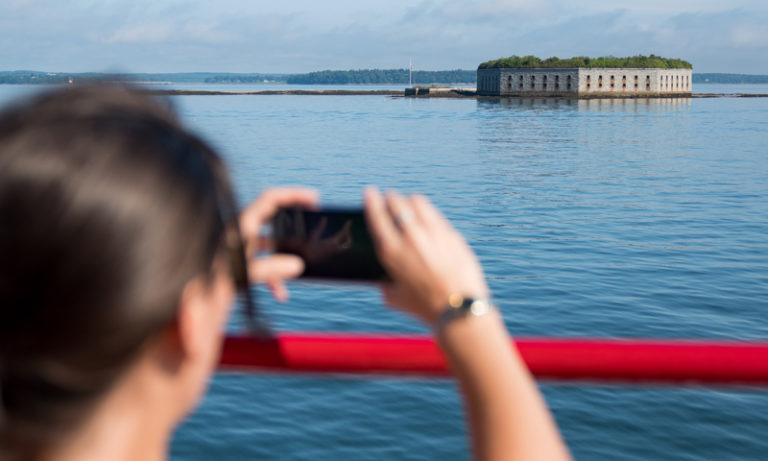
[(479, 307)]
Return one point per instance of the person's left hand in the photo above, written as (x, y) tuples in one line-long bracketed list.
[(276, 268)]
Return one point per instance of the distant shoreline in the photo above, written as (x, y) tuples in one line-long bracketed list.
[(336, 77), (458, 93), (180, 92)]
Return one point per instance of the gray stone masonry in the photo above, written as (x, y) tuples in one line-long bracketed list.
[(584, 82)]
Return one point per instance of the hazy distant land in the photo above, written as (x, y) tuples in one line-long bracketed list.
[(326, 77), (729, 78)]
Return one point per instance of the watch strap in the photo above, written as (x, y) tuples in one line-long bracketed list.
[(460, 307)]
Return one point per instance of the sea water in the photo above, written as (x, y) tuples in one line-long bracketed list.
[(601, 218)]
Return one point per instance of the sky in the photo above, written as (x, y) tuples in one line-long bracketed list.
[(303, 36)]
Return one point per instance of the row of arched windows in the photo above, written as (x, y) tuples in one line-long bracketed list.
[(634, 82), (545, 82), (677, 82)]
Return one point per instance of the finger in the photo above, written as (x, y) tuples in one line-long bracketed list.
[(428, 215), (380, 224), (278, 290), (275, 267), (419, 231), (265, 243), (399, 209), (259, 244), (265, 206)]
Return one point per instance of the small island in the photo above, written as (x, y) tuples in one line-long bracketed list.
[(585, 77)]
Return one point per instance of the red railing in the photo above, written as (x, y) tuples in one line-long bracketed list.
[(600, 360)]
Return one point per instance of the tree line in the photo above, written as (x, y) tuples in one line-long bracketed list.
[(382, 76), (52, 78), (639, 61), (729, 78), (376, 76)]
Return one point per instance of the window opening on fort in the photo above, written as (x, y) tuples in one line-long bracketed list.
[(533, 81), (599, 81)]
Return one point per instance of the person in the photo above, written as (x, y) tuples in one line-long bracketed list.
[(122, 251)]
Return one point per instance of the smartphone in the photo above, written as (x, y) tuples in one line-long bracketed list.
[(333, 242)]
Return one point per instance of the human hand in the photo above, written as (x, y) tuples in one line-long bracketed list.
[(276, 268), (427, 259)]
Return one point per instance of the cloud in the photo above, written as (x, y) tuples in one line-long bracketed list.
[(750, 35), (717, 41), (239, 35), (141, 33), (476, 11), (722, 41), (208, 32), (162, 32), (471, 12)]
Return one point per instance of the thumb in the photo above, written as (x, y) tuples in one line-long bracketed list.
[(275, 267)]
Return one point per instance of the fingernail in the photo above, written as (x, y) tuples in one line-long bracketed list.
[(371, 193)]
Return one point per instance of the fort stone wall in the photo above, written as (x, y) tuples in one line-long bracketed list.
[(584, 82)]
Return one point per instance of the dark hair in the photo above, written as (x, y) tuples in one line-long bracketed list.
[(108, 207)]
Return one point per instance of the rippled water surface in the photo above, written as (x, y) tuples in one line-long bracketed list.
[(635, 218)]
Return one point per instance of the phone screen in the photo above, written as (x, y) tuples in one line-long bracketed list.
[(334, 243)]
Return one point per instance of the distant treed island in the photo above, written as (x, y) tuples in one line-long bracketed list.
[(33, 77), (382, 76), (326, 77), (729, 78)]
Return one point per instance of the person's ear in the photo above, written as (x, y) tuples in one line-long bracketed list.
[(192, 319)]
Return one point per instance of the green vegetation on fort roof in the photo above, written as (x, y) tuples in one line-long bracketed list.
[(637, 62)]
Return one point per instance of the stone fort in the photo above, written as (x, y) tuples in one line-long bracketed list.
[(581, 82)]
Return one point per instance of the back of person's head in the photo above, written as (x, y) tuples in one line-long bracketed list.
[(107, 208)]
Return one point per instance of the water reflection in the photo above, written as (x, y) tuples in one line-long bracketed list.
[(629, 105), (633, 105), (526, 103)]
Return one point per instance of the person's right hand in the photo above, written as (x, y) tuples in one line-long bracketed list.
[(427, 259), (276, 268)]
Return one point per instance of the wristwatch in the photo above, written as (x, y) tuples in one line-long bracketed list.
[(460, 307)]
